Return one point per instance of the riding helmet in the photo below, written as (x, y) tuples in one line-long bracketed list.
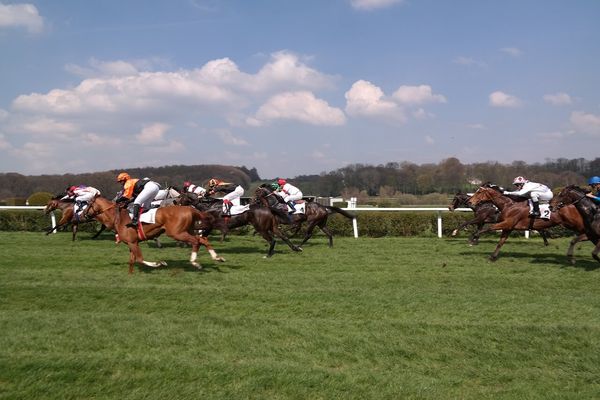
[(594, 180)]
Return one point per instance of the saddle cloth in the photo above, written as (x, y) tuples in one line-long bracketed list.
[(148, 217), (544, 209), (300, 208), (237, 209)]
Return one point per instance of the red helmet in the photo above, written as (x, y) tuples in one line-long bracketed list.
[(519, 180), (187, 184), (71, 189), (281, 181)]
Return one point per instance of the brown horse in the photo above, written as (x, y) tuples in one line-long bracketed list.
[(514, 215), (178, 222), (485, 213), (315, 214), (67, 216), (574, 196), (261, 218)]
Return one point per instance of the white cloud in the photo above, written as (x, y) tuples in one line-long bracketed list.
[(511, 51), (373, 4), (413, 95), (228, 138), (586, 123), (152, 134), (99, 68), (501, 99), (558, 99), (300, 106), (429, 140), (468, 61), (21, 15), (50, 127), (4, 144), (365, 99)]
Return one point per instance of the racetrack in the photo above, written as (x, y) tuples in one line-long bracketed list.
[(386, 318)]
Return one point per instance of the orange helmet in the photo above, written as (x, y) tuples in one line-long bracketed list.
[(123, 176), (214, 182), (281, 181)]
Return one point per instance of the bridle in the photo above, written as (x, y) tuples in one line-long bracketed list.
[(563, 204), (89, 215)]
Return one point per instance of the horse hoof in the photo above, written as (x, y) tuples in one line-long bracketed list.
[(221, 259), (492, 258), (162, 263)]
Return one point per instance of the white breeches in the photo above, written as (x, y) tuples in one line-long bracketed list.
[(234, 196), (148, 194), (292, 197), (543, 197)]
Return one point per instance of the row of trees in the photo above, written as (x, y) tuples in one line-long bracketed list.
[(386, 180)]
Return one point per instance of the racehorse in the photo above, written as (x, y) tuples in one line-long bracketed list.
[(514, 215), (261, 218), (574, 196), (315, 214), (67, 216), (485, 213), (178, 222)]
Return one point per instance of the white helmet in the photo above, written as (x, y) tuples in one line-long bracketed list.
[(519, 180)]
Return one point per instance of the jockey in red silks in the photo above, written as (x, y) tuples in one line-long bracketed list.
[(289, 193), (82, 195), (189, 187)]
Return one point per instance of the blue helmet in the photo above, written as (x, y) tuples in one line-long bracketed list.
[(594, 180)]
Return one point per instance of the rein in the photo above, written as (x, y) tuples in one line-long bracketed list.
[(562, 203)]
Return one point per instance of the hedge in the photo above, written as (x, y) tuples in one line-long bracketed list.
[(373, 224)]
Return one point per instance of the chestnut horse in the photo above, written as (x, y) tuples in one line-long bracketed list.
[(67, 216), (485, 213), (514, 215), (315, 215), (261, 218), (574, 196), (178, 222)]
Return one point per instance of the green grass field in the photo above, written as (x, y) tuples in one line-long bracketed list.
[(386, 318)]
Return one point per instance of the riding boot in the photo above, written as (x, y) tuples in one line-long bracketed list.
[(292, 206), (136, 216), (227, 211), (535, 213)]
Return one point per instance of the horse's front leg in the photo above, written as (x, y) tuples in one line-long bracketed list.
[(596, 251), (474, 239), (213, 254), (463, 226), (74, 228), (503, 237), (283, 237), (579, 238)]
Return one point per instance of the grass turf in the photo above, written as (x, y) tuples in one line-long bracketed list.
[(382, 318)]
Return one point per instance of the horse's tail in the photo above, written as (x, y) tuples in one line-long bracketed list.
[(333, 209)]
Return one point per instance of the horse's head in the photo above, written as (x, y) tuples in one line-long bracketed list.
[(484, 193), (460, 199), (52, 205), (188, 199), (569, 195)]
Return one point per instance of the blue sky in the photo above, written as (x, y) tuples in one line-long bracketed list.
[(295, 87)]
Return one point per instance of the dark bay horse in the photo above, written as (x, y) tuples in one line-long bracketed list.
[(261, 218), (514, 215), (315, 215), (67, 216), (178, 222), (574, 196), (485, 212)]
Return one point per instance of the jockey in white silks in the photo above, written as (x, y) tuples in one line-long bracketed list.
[(537, 192), (232, 193), (289, 193), (189, 187), (82, 195)]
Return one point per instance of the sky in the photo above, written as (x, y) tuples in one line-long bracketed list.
[(295, 87)]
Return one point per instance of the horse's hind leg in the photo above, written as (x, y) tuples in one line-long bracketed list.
[(309, 232), (474, 238), (102, 229), (74, 231), (545, 237)]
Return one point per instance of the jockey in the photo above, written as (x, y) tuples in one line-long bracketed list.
[(535, 191), (140, 191), (81, 194), (290, 194), (189, 187), (232, 192), (594, 182)]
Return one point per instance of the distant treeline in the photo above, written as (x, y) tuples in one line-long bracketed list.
[(384, 180)]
